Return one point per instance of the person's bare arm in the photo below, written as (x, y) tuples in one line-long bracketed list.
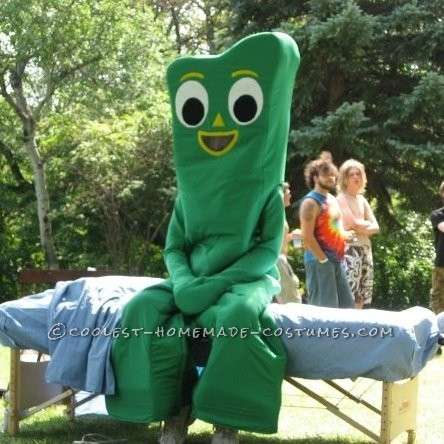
[(373, 226), (286, 240), (308, 213)]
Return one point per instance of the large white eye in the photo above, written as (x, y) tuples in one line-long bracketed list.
[(245, 101), (191, 103)]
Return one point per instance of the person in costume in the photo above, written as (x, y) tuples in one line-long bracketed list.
[(230, 129)]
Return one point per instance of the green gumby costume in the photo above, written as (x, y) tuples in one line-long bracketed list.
[(230, 129)]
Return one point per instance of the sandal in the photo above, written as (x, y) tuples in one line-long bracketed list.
[(94, 438)]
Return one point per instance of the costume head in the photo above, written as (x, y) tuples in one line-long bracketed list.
[(231, 113), (230, 128)]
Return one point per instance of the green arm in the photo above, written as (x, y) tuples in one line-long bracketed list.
[(193, 294)]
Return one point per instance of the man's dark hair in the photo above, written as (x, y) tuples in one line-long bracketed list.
[(322, 164)]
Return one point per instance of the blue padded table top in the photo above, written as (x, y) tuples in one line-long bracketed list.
[(79, 318)]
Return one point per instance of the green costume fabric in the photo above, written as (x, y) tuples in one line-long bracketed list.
[(230, 129)]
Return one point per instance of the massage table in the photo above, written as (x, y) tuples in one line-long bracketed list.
[(80, 318)]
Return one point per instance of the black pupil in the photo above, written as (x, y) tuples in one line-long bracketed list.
[(245, 108), (193, 111)]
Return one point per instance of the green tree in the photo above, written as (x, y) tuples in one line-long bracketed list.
[(114, 214), (62, 63), (371, 86), (44, 45), (196, 26), (117, 134)]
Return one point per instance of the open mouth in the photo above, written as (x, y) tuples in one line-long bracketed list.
[(217, 143)]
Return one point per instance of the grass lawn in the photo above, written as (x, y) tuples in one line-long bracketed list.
[(302, 420)]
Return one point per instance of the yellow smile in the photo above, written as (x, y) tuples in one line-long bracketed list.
[(217, 143)]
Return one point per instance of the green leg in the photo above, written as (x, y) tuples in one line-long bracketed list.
[(149, 368), (240, 387)]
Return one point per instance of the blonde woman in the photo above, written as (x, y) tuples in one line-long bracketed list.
[(358, 217)]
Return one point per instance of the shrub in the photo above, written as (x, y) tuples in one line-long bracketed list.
[(403, 259)]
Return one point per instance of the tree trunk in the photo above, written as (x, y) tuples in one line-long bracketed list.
[(19, 104), (336, 89), (42, 195)]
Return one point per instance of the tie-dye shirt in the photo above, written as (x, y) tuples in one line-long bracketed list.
[(328, 230)]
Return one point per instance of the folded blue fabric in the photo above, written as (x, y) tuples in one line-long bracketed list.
[(83, 317), (24, 322), (334, 343)]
